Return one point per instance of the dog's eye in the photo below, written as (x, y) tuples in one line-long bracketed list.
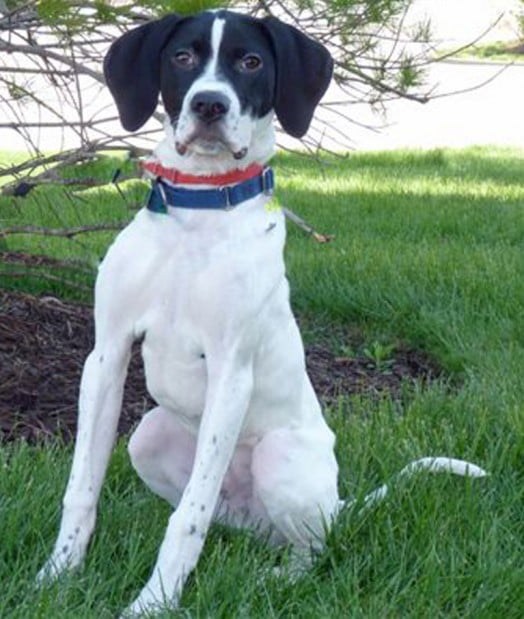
[(185, 59), (250, 63)]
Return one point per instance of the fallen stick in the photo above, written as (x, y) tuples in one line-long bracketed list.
[(319, 237)]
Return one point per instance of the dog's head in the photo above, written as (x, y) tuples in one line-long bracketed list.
[(219, 74)]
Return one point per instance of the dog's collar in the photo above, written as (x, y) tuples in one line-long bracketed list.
[(176, 177), (232, 188)]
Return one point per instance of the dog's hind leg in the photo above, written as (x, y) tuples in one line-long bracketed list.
[(162, 452), (295, 478)]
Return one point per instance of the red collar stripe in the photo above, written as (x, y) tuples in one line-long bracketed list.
[(179, 178)]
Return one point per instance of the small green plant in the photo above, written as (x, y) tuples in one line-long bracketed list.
[(380, 354), (346, 350)]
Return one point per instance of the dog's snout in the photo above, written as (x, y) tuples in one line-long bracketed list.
[(210, 105)]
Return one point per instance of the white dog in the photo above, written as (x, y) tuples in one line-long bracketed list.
[(238, 434)]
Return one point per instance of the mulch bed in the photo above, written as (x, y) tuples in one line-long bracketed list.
[(44, 342)]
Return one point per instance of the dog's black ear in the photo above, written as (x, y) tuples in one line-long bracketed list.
[(304, 69), (132, 70)]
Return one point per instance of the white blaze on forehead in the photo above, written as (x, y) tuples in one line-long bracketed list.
[(217, 32)]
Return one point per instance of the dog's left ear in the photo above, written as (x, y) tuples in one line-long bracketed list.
[(132, 70), (304, 69)]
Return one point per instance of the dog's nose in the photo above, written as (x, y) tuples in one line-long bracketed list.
[(210, 105)]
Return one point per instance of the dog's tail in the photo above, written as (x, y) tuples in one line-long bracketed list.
[(430, 464)]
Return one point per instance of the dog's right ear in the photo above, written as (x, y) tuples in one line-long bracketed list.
[(132, 70)]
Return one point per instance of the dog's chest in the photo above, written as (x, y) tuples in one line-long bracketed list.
[(175, 364), (198, 284)]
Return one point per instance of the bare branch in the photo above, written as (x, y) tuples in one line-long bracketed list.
[(32, 261), (64, 233), (37, 50), (40, 275), (376, 61)]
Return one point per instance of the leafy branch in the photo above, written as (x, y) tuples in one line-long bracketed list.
[(51, 54)]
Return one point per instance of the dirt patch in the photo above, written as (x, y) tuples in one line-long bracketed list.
[(44, 343)]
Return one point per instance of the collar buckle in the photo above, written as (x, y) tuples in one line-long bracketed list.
[(157, 200), (227, 197), (162, 192), (268, 182)]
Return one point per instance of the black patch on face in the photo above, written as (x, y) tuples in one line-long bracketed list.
[(194, 36), (255, 90), (242, 35)]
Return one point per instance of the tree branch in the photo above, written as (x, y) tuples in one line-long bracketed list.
[(58, 232)]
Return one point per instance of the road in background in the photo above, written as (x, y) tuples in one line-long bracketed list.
[(491, 114)]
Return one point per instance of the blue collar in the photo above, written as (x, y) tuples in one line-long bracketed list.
[(164, 194)]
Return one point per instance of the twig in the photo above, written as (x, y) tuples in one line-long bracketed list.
[(319, 237), (35, 260), (65, 158), (59, 232), (49, 125), (37, 50), (46, 276)]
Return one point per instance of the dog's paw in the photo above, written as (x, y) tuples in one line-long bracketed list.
[(64, 559), (157, 596), (146, 605), (52, 569)]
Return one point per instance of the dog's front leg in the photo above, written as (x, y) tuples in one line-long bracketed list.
[(227, 397), (99, 409)]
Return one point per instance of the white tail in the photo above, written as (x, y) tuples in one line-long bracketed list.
[(431, 464)]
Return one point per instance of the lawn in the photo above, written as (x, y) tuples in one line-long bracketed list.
[(428, 253), (495, 51)]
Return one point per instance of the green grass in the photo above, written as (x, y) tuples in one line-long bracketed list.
[(495, 51), (428, 251)]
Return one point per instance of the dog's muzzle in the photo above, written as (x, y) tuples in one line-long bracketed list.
[(209, 109)]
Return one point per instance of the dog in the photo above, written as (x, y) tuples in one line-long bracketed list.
[(238, 434)]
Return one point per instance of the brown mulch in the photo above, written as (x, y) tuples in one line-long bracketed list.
[(44, 342)]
